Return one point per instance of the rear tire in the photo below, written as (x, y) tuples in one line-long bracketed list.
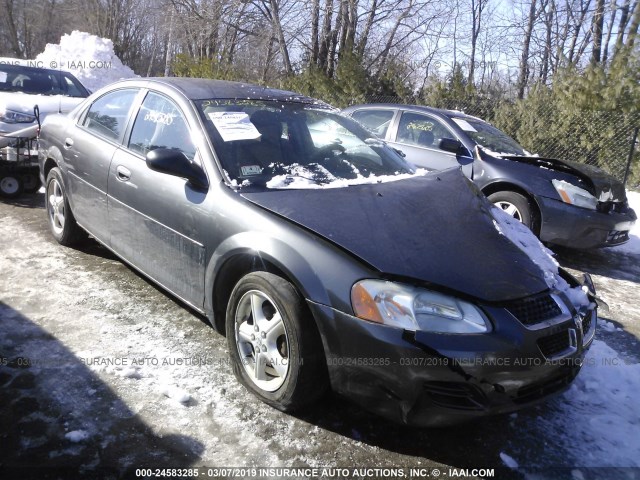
[(10, 185), (274, 344), (517, 206), (62, 223)]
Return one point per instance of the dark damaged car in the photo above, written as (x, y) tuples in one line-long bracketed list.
[(326, 263), (564, 203)]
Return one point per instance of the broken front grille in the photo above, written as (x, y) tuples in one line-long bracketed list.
[(539, 390), (535, 309), (455, 395), (588, 326), (609, 207), (556, 344), (615, 236)]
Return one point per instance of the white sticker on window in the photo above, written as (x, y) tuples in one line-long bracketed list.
[(251, 170), (464, 125), (156, 116), (234, 126), (3, 77)]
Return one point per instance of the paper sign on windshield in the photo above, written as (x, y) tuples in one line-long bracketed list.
[(3, 77), (464, 125), (234, 126)]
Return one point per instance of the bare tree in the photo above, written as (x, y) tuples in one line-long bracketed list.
[(524, 59), (477, 6), (596, 28)]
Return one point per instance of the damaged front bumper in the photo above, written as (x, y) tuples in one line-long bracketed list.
[(575, 227), (19, 148), (427, 379)]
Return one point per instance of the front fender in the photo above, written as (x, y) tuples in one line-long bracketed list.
[(530, 178), (312, 273)]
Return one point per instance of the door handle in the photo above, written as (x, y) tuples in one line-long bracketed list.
[(123, 173), (68, 142)]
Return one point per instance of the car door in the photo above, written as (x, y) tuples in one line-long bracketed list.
[(154, 217), (88, 147), (418, 135)]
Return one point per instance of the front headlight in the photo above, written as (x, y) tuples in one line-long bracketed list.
[(9, 116), (414, 309), (574, 195)]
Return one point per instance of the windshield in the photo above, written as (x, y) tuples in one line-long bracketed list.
[(490, 137), (293, 145), (14, 78)]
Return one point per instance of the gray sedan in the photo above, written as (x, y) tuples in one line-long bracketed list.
[(564, 203), (325, 258)]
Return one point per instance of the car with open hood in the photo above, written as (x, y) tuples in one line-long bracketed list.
[(324, 257), (23, 87), (27, 96), (564, 203)]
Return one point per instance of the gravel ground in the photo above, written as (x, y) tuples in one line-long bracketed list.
[(102, 373)]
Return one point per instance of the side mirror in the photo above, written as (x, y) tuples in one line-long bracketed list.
[(174, 162), (450, 145)]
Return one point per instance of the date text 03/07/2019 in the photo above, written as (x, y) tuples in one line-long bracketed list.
[(315, 472)]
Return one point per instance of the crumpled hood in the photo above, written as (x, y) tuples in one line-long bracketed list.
[(24, 102), (436, 228), (604, 186)]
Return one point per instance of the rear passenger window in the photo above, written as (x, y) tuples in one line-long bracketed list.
[(159, 124), (421, 130), (108, 114), (376, 121)]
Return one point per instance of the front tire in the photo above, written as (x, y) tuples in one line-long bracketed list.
[(274, 345), (515, 205), (62, 223)]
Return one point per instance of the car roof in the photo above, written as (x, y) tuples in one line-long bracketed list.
[(13, 68), (416, 108), (204, 88)]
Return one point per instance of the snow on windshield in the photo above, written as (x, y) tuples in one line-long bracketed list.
[(277, 144), (302, 177), (489, 137)]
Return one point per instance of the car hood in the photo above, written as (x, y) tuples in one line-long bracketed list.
[(24, 102), (436, 229), (603, 186)]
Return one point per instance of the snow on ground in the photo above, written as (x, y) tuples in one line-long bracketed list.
[(633, 245), (600, 413), (89, 58), (176, 398)]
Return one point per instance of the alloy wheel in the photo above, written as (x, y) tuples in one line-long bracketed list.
[(510, 209), (56, 206), (261, 339)]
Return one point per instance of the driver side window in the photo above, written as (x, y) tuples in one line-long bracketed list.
[(107, 116)]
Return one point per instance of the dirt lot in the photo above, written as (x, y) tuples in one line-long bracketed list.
[(101, 373)]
